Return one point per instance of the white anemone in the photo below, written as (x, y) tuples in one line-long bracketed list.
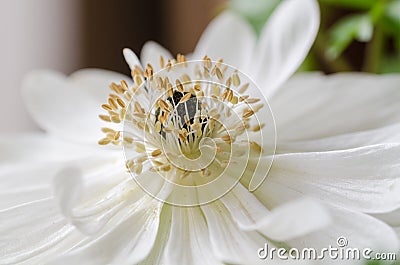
[(338, 142)]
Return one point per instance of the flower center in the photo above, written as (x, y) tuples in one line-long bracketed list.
[(186, 110), (190, 122)]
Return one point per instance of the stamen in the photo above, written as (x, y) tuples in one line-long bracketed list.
[(156, 152), (185, 98), (124, 85), (219, 74), (107, 130), (243, 88), (236, 79), (175, 117), (105, 118), (112, 103), (117, 135), (148, 73), (179, 85), (248, 113), (106, 107), (104, 141), (161, 61), (115, 119), (121, 103)]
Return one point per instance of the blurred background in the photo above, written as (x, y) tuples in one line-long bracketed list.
[(66, 35)]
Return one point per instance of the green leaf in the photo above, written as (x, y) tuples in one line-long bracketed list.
[(354, 4), (346, 30)]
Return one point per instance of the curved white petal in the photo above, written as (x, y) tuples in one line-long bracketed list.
[(30, 161), (228, 37), (96, 82), (312, 106), (397, 230), (150, 54), (384, 135), (121, 213), (156, 256), (391, 218), (229, 243), (188, 241), (293, 220), (127, 240), (26, 182), (24, 148), (68, 189), (92, 200), (62, 108), (131, 58), (34, 233), (360, 230), (20, 195), (284, 43), (362, 179), (244, 207)]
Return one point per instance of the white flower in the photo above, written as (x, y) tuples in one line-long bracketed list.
[(338, 142)]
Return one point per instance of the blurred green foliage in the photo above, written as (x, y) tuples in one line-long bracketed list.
[(348, 29), (255, 11), (355, 35)]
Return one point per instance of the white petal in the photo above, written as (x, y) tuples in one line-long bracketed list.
[(284, 42), (98, 197), (244, 207), (188, 242), (384, 135), (228, 37), (156, 256), (229, 243), (312, 106), (68, 189), (397, 230), (293, 220), (360, 230), (362, 179), (34, 232), (61, 108), (151, 53), (29, 162), (96, 82), (24, 183), (91, 216), (91, 199), (17, 196), (131, 58), (391, 218), (24, 148), (127, 241)]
